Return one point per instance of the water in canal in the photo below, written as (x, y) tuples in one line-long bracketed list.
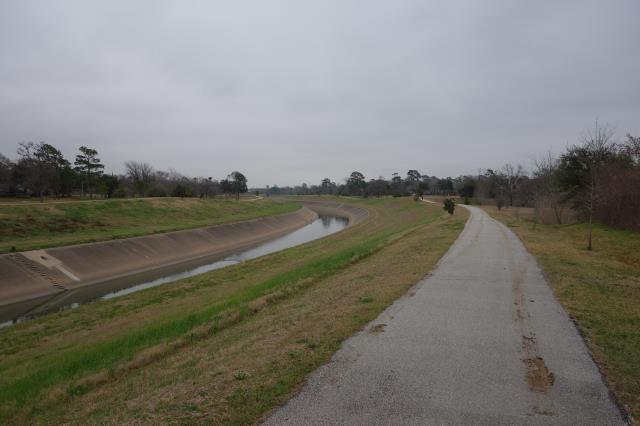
[(321, 227)]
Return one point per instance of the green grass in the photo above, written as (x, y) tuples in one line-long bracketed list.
[(49, 366), (600, 289), (41, 225), (108, 354)]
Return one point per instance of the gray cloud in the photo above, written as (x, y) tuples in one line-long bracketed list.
[(291, 91)]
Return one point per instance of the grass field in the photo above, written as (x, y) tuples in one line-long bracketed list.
[(224, 347), (600, 289), (28, 226)]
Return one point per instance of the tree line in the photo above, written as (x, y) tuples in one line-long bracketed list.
[(357, 185), (41, 170), (596, 179)]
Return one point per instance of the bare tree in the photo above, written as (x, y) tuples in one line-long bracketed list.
[(510, 178), (631, 148), (581, 169), (141, 175), (548, 189)]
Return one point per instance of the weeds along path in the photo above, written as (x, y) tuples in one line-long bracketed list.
[(226, 346), (482, 340)]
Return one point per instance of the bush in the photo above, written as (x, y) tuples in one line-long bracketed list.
[(120, 192), (157, 192), (449, 205), (182, 191)]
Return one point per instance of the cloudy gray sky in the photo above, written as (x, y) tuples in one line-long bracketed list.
[(293, 91)]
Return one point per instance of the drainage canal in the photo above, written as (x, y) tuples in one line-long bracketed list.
[(321, 227)]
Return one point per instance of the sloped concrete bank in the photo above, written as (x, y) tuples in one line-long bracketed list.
[(31, 281), (355, 214)]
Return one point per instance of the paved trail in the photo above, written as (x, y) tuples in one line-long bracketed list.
[(480, 341)]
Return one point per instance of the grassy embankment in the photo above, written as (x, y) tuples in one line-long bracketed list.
[(600, 289), (28, 226), (224, 347)]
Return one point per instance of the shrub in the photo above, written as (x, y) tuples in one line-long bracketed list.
[(182, 191), (449, 205)]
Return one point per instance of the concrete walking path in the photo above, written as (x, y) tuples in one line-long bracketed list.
[(481, 340)]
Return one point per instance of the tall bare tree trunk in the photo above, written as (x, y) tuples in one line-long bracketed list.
[(590, 246), (558, 215)]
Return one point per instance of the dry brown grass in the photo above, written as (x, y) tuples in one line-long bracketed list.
[(27, 226), (243, 371), (600, 289)]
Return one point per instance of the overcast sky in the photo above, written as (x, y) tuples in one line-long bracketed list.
[(294, 91)]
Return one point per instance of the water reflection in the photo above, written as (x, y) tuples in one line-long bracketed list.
[(323, 226), (327, 221)]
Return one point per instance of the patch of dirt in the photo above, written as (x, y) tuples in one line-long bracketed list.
[(539, 377), (377, 329), (542, 412), (528, 345), (64, 224), (31, 225)]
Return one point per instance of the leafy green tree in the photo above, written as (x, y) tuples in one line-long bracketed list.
[(445, 185), (108, 185), (68, 180), (327, 187), (182, 191), (423, 186), (235, 183), (40, 167), (88, 165), (378, 187), (396, 185), (6, 171), (51, 163), (356, 183), (468, 187), (413, 180)]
